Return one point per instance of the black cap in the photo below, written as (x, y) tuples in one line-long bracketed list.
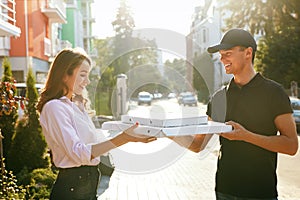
[(232, 38)]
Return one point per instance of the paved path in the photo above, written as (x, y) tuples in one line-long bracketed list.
[(192, 178)]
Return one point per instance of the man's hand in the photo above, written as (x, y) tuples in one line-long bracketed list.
[(238, 132)]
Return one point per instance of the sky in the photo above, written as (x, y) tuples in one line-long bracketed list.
[(174, 15)]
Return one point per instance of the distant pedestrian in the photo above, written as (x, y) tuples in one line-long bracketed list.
[(69, 131), (258, 109)]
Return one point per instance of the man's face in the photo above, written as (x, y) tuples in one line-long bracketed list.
[(234, 59)]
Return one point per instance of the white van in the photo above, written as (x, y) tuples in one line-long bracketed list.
[(144, 98)]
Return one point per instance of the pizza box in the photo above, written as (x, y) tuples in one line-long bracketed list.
[(209, 128), (170, 122)]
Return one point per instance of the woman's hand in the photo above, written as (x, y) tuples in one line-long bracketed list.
[(130, 135)]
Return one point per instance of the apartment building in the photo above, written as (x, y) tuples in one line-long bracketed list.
[(32, 32), (80, 21), (204, 32), (8, 26), (38, 40)]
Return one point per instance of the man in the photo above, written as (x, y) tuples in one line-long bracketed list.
[(257, 109)]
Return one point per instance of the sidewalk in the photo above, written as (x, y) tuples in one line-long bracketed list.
[(190, 177), (193, 178)]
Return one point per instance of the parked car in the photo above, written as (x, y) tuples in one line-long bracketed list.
[(21, 92), (157, 95), (171, 95), (295, 102), (187, 98), (21, 88), (144, 98)]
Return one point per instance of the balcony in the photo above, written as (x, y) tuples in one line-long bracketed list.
[(47, 47), (60, 44), (55, 10), (8, 19)]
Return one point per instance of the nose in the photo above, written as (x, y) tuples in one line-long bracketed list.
[(88, 81), (222, 58)]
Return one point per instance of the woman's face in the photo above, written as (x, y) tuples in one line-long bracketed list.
[(79, 79)]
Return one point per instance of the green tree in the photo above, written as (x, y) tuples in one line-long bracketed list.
[(123, 26), (8, 106), (29, 146), (278, 23), (129, 51), (119, 54), (175, 72)]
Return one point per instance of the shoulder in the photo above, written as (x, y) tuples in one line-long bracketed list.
[(271, 84), (56, 106)]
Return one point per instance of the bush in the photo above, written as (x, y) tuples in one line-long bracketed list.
[(28, 147), (39, 182), (8, 106), (9, 188)]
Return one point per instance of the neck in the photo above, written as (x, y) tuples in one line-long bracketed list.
[(69, 96), (245, 77)]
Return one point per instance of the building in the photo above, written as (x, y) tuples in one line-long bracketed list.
[(34, 31), (8, 26), (204, 32), (78, 30), (39, 39), (8, 20)]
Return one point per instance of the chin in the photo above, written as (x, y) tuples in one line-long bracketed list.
[(78, 92)]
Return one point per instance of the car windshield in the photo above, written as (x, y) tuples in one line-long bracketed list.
[(144, 96), (189, 96)]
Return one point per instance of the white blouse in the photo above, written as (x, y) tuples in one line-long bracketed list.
[(69, 133)]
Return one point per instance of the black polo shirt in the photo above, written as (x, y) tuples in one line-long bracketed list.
[(244, 169)]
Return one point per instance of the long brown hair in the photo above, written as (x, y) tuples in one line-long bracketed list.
[(64, 64)]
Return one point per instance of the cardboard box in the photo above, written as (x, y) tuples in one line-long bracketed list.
[(209, 128), (170, 122)]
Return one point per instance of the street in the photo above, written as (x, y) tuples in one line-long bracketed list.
[(163, 170)]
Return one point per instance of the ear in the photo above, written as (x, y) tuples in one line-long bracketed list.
[(249, 52)]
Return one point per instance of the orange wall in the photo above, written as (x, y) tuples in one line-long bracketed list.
[(37, 30), (18, 44)]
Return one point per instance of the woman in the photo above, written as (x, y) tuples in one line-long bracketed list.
[(68, 130)]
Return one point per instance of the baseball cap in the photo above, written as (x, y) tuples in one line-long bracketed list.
[(232, 38)]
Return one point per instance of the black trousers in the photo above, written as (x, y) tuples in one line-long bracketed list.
[(77, 183)]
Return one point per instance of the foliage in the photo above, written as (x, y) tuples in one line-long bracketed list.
[(199, 83), (278, 24), (121, 54), (124, 22), (8, 106), (104, 90), (9, 188), (32, 96), (39, 182), (175, 72), (127, 51), (28, 146)]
